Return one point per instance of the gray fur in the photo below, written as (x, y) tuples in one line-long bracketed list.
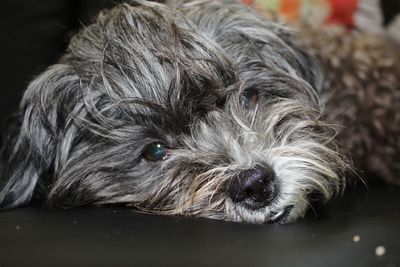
[(145, 72)]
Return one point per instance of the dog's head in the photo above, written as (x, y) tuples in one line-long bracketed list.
[(204, 110)]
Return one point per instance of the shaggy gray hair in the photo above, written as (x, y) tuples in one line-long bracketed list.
[(217, 86)]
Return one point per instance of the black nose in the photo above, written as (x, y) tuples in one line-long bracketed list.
[(255, 187)]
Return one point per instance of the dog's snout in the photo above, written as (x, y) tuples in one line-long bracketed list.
[(254, 187)]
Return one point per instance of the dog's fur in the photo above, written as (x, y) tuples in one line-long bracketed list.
[(362, 80), (147, 73)]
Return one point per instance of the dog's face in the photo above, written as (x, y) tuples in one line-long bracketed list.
[(206, 110)]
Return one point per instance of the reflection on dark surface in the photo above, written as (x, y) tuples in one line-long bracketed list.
[(110, 235)]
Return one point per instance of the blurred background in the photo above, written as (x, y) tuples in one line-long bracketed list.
[(34, 34)]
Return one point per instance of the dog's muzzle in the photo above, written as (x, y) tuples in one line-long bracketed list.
[(254, 188)]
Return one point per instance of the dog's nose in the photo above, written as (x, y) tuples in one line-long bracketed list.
[(254, 187)]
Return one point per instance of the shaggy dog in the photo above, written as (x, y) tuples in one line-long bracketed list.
[(200, 109)]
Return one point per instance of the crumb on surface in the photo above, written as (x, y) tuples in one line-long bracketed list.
[(380, 250), (356, 238)]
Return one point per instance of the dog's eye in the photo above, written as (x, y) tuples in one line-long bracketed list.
[(249, 98), (155, 152)]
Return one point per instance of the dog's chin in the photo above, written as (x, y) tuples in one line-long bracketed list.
[(273, 214)]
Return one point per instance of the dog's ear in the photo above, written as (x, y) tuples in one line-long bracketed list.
[(307, 65), (29, 145), (310, 69)]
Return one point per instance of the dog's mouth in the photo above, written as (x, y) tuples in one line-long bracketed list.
[(267, 215), (281, 216)]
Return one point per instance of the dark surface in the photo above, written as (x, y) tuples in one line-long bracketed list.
[(35, 236), (34, 34), (390, 8)]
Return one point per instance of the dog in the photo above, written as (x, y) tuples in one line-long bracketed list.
[(201, 108)]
